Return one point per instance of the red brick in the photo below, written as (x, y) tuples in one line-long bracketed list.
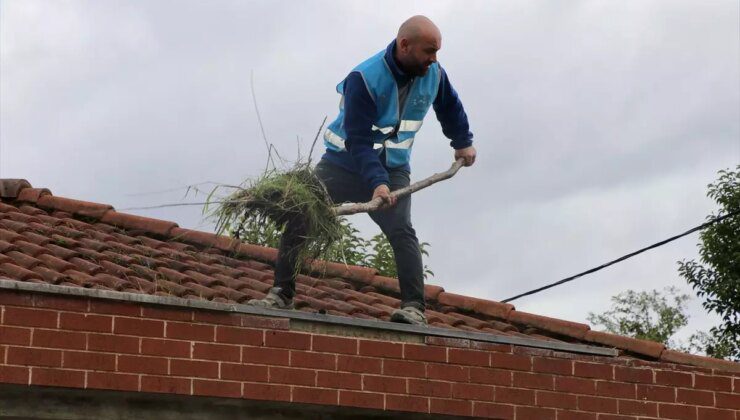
[(575, 385), (615, 389), (384, 384), (556, 400), (114, 308), (593, 370), (499, 348), (15, 335), (85, 322), (727, 400), (472, 392), (288, 340), (359, 364), (533, 380), (30, 317), (404, 368), (59, 339), (450, 407), (582, 415), (677, 411), (361, 399), (163, 347), (406, 403), (381, 349), (597, 404), (315, 395), (236, 335), (165, 384), (627, 374), (138, 327), (217, 388), (88, 360), (171, 314), (268, 323), (693, 397), (656, 393), (14, 374), (430, 388), (11, 298), (263, 355), (448, 372), (114, 381), (266, 392), (340, 380), (447, 342), (188, 331), (240, 372), (494, 411), (113, 343), (282, 375), (468, 357), (335, 344), (511, 361), (615, 417), (305, 359), (666, 377), (220, 352), (63, 303), (221, 318), (34, 357), (490, 376), (194, 368), (638, 408), (58, 377), (424, 353), (716, 414), (142, 364), (714, 383), (535, 413), (550, 365), (514, 396)]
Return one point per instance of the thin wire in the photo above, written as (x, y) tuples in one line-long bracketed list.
[(655, 245), (161, 206)]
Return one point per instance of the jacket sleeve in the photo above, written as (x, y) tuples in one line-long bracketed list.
[(359, 114), (451, 114)]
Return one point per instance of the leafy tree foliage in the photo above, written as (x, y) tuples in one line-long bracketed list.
[(351, 249), (650, 315), (716, 278)]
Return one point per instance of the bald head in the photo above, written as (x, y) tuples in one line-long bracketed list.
[(417, 43), (417, 27)]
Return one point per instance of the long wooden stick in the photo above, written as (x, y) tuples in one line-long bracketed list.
[(372, 205)]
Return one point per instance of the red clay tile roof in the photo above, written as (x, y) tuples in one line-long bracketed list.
[(56, 240)]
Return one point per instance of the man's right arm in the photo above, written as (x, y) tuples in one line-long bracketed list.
[(359, 114)]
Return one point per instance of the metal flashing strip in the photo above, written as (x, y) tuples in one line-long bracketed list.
[(6, 284)]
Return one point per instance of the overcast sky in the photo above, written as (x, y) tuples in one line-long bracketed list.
[(598, 124)]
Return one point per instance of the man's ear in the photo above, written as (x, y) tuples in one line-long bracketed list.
[(404, 45)]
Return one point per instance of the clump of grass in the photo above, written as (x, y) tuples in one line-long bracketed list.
[(282, 197)]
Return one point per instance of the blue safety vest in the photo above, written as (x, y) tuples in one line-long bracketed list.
[(384, 91)]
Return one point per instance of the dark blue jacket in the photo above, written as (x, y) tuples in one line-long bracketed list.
[(360, 112)]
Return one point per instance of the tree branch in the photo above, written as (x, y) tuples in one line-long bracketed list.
[(354, 208)]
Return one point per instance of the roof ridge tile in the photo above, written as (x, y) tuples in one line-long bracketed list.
[(32, 195), (134, 222), (482, 306), (695, 360), (635, 345), (11, 187), (555, 325)]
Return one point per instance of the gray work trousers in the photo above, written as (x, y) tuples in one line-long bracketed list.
[(344, 186)]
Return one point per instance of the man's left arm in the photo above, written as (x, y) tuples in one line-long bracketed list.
[(454, 121)]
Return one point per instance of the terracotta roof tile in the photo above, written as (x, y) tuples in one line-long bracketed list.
[(49, 239)]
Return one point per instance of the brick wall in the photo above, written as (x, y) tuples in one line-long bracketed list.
[(54, 340)]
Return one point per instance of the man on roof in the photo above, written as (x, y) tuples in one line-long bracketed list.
[(368, 148)]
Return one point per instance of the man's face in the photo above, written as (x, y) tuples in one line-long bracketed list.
[(417, 55)]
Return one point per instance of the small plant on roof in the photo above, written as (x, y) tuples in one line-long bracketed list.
[(281, 197)]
